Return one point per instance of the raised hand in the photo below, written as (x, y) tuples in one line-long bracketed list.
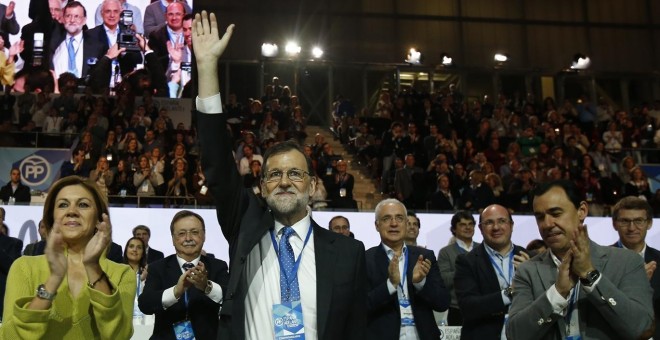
[(650, 269), (175, 51), (183, 283), (207, 44), (16, 48), (520, 258), (99, 242), (114, 51), (565, 278), (10, 10), (393, 270), (55, 253), (421, 269)]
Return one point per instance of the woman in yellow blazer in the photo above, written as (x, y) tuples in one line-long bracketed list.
[(73, 291)]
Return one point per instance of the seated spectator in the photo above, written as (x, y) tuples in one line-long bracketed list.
[(76, 166), (298, 125), (340, 191), (495, 183), (147, 182), (131, 154), (156, 160), (269, 127), (102, 176), (122, 183), (445, 198), (638, 185), (477, 195), (253, 178), (178, 187), (245, 163)]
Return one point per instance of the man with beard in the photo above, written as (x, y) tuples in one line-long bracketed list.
[(269, 241), (74, 51)]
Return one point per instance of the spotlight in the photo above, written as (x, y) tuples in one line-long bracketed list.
[(447, 60), (292, 48), (268, 50), (580, 62), (317, 52), (501, 58), (414, 57)]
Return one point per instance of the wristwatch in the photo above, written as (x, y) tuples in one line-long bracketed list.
[(209, 287), (42, 293), (508, 291), (591, 277)]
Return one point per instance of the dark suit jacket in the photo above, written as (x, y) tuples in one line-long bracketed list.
[(154, 255), (10, 250), (202, 311), (8, 25), (245, 219), (440, 202), (158, 43), (653, 254), (34, 249), (619, 306), (93, 48), (154, 16), (115, 253), (479, 295), (384, 321), (21, 195)]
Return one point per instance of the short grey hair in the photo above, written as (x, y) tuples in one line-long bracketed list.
[(384, 202)]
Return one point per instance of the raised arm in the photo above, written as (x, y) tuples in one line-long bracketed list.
[(208, 47)]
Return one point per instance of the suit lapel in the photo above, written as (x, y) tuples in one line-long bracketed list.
[(326, 256), (486, 268), (547, 270)]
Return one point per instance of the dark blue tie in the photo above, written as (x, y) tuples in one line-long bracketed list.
[(289, 290), (188, 265), (72, 57)]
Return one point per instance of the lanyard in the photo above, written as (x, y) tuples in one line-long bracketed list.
[(499, 269), (402, 282), (289, 280), (569, 312)]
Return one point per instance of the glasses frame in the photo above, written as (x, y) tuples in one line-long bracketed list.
[(269, 176), (637, 222)]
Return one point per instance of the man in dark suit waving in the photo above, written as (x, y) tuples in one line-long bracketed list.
[(632, 217), (405, 285), (283, 264), (185, 290)]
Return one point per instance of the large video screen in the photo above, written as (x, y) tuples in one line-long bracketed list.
[(22, 6)]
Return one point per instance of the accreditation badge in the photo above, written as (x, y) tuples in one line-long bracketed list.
[(407, 318), (288, 321), (183, 330)]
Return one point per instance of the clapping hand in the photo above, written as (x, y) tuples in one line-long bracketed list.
[(581, 255), (520, 258), (393, 270), (99, 242), (421, 269)]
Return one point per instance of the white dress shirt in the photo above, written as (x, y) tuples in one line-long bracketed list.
[(61, 56), (168, 299), (264, 289)]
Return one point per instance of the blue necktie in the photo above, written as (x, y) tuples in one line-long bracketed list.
[(72, 57), (289, 290), (188, 265)]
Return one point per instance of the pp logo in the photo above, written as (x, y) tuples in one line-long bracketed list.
[(35, 170)]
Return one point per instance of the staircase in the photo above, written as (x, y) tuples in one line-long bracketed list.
[(364, 190)]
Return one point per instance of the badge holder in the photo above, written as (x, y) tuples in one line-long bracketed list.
[(183, 330), (288, 321)]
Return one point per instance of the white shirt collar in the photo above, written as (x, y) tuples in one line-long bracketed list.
[(641, 253), (390, 252), (464, 245), (493, 252), (301, 227), (182, 261)]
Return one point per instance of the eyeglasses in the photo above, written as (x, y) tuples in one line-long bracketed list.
[(294, 175), (184, 233), (388, 219), (74, 17), (490, 223), (637, 222)]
